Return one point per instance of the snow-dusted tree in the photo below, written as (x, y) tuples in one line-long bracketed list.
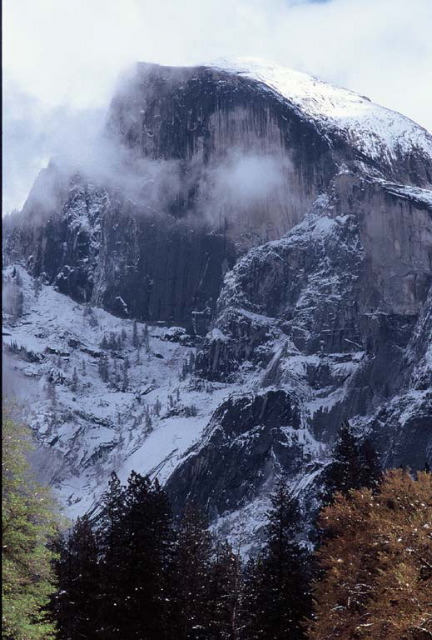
[(114, 579), (74, 383), (146, 338), (193, 564), (277, 588), (37, 287), (125, 376), (353, 465), (116, 378), (148, 421), (77, 603), (377, 563), (147, 559), (225, 591), (191, 411), (157, 407), (138, 356), (136, 342), (51, 392), (89, 313), (103, 367)]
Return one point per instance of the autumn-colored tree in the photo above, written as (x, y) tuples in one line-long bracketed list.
[(377, 563), (28, 522)]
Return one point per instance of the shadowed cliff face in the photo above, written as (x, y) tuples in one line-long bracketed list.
[(210, 165), (220, 128), (197, 165), (249, 438)]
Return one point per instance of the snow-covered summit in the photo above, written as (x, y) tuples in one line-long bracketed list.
[(372, 129)]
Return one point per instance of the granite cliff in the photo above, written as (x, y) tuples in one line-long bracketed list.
[(284, 226)]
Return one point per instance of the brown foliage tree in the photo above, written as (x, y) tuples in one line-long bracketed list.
[(377, 563)]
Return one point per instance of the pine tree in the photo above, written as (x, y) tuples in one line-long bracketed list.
[(103, 368), (371, 473), (51, 392), (74, 384), (37, 287), (146, 338), (192, 572), (225, 589), (77, 602), (277, 595), (27, 525), (125, 376), (353, 465), (148, 421), (114, 578), (136, 342), (157, 407), (148, 560), (116, 374), (138, 356)]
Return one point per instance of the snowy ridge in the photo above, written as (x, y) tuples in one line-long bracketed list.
[(415, 194), (86, 432), (373, 130)]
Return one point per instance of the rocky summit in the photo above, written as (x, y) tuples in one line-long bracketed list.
[(241, 262)]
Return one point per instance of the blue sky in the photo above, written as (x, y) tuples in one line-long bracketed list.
[(62, 58)]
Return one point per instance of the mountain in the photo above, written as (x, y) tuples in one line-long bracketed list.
[(269, 239)]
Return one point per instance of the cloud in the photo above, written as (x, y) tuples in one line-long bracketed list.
[(61, 59)]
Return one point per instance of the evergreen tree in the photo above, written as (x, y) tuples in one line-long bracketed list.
[(371, 473), (353, 465), (138, 356), (225, 588), (27, 525), (277, 595), (103, 368), (157, 407), (125, 376), (74, 384), (83, 368), (77, 603), (146, 338), (136, 342), (51, 392), (148, 549), (193, 562), (114, 580), (37, 287)]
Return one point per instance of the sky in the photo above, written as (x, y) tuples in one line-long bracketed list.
[(62, 59)]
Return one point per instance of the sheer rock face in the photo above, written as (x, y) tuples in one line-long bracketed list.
[(333, 304), (299, 237), (197, 165), (247, 441)]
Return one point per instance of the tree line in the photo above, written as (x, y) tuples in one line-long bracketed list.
[(136, 572)]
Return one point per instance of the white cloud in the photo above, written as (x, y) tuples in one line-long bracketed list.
[(70, 52)]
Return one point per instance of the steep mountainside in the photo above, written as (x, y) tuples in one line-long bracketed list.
[(285, 226)]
